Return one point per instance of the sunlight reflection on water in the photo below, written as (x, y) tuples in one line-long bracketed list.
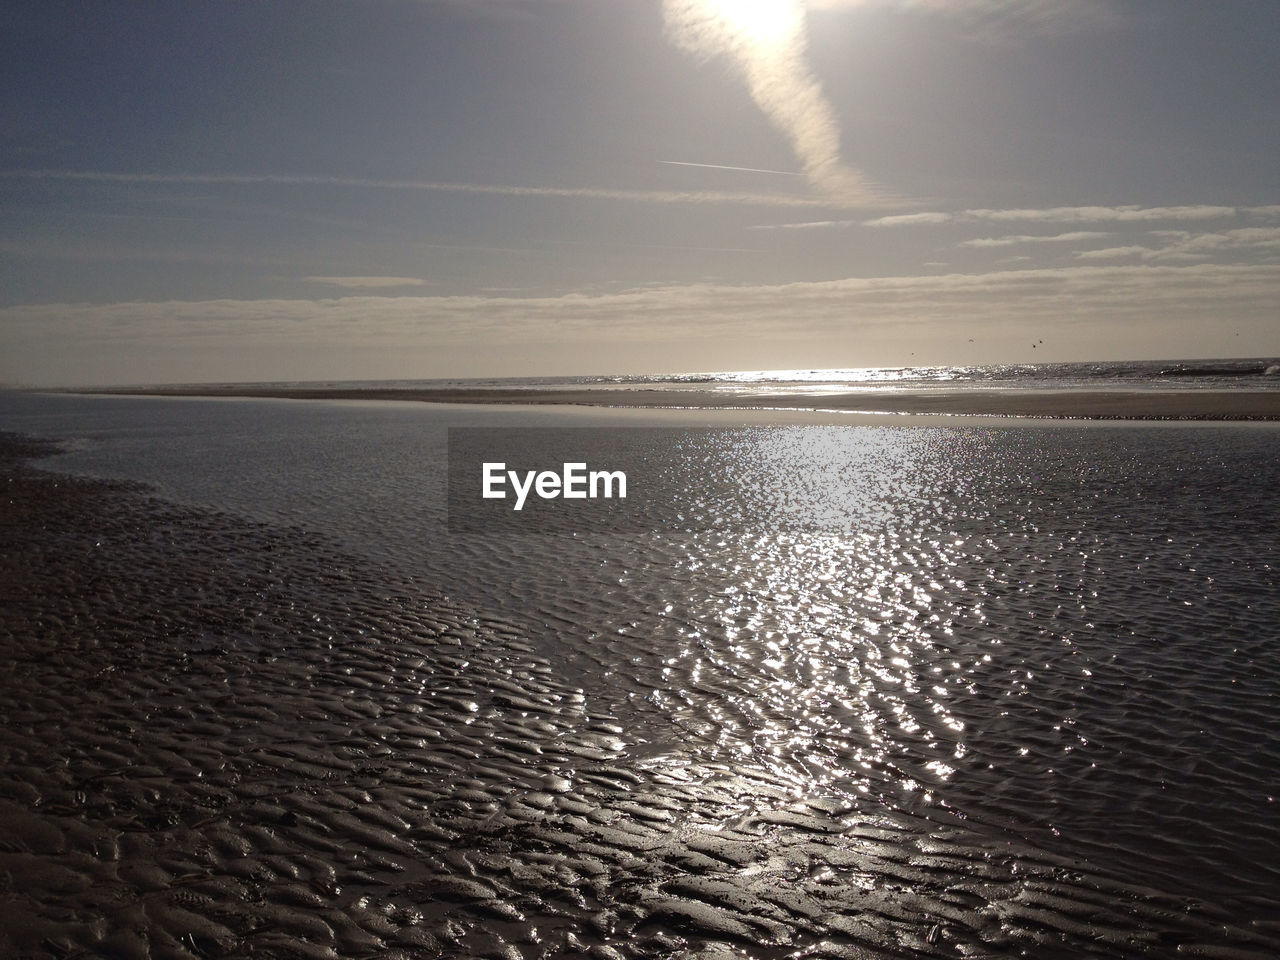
[(987, 624), (1063, 634)]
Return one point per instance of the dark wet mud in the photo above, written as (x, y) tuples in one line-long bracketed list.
[(220, 738)]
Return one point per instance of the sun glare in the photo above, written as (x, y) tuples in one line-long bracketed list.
[(762, 23)]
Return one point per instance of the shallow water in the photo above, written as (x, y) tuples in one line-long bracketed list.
[(999, 691)]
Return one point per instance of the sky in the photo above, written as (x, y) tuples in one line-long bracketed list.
[(249, 190)]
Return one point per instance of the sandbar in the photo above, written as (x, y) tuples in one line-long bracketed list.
[(1146, 404)]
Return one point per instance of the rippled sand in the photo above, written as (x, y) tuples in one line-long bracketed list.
[(223, 738)]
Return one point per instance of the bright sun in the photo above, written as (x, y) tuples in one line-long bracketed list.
[(762, 23)]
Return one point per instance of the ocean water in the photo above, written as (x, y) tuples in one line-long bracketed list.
[(1248, 374), (1017, 685)]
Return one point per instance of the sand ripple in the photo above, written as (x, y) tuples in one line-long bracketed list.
[(226, 739)]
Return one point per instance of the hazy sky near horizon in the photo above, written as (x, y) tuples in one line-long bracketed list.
[(342, 189)]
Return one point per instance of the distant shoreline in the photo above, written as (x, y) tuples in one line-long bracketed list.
[(1054, 404)]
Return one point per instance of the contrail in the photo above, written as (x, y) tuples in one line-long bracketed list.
[(765, 39), (568, 193), (723, 166)]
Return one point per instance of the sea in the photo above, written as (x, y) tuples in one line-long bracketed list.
[(1247, 374), (875, 688)]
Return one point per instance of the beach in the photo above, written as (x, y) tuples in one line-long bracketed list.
[(310, 723), (682, 480), (1097, 404)]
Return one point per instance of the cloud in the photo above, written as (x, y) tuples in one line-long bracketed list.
[(1245, 238), (908, 219), (1183, 245), (37, 340), (766, 42), (1113, 253), (1096, 214), (1064, 215), (368, 281), (1104, 214), (710, 197), (1011, 240)]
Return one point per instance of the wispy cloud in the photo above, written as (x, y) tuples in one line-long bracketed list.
[(867, 199), (1092, 214), (1183, 245), (1012, 240), (766, 42), (1129, 213), (908, 219), (1146, 294), (1113, 253), (367, 282), (85, 250), (1245, 238), (1123, 214)]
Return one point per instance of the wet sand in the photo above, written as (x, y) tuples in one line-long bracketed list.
[(1074, 404), (221, 738)]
